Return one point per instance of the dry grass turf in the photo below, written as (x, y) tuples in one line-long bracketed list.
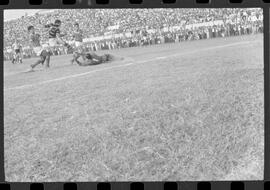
[(187, 111)]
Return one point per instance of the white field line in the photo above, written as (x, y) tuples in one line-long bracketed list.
[(124, 65)]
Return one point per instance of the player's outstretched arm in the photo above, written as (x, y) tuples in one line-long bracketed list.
[(48, 25)]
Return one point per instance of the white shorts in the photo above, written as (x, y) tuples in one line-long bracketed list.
[(54, 42), (38, 50), (78, 44)]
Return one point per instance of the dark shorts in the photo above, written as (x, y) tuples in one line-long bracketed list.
[(44, 53), (17, 51)]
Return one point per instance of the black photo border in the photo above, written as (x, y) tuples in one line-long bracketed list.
[(52, 4)]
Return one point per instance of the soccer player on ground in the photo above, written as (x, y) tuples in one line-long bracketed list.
[(17, 57), (94, 59), (38, 49), (78, 38)]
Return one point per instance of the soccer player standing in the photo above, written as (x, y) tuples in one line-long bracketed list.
[(43, 54), (78, 38), (17, 52)]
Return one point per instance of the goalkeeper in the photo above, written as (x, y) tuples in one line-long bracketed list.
[(93, 59)]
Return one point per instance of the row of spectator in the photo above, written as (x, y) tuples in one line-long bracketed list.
[(144, 38), (97, 22)]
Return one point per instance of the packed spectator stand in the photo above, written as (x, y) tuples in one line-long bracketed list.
[(122, 28)]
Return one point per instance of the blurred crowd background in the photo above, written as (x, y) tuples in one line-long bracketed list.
[(123, 28)]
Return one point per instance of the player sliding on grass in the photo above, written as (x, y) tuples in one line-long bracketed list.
[(43, 54), (94, 59)]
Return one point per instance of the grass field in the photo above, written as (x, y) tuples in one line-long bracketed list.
[(187, 111)]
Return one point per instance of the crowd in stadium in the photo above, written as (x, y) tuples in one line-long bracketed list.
[(143, 26)]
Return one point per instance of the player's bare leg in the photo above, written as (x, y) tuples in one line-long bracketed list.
[(45, 56), (20, 59), (39, 61), (13, 60), (75, 58), (48, 58), (17, 58)]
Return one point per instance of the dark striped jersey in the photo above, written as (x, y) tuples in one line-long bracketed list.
[(54, 30)]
